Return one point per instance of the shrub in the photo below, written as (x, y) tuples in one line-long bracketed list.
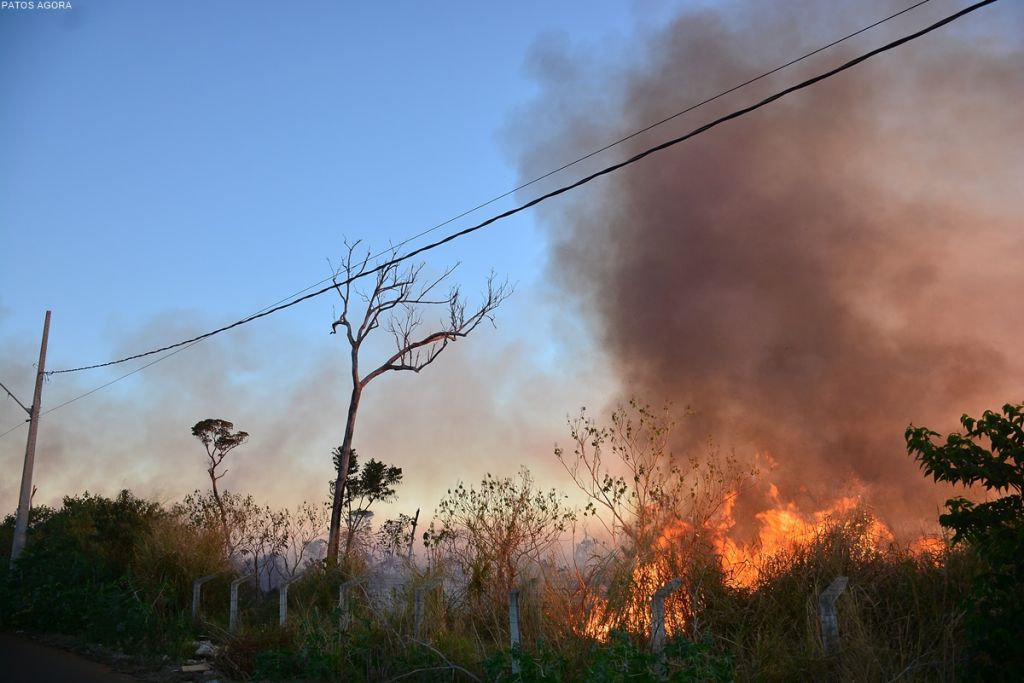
[(79, 575), (990, 454)]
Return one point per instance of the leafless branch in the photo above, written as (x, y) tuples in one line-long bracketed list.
[(415, 353), (397, 299), (351, 267)]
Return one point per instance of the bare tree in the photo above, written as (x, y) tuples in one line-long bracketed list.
[(397, 299), (643, 487), (304, 530), (218, 440)]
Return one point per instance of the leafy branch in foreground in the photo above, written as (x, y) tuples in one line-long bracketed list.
[(990, 453)]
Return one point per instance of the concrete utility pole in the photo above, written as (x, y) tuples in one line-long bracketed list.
[(25, 499)]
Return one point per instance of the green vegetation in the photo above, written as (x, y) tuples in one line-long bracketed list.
[(119, 571), (989, 453), (106, 570), (365, 485)]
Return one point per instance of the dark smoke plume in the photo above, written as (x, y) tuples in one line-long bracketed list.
[(815, 276)]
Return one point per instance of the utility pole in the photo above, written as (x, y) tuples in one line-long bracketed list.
[(25, 499)]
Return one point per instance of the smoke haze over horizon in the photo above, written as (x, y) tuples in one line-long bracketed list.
[(485, 405)]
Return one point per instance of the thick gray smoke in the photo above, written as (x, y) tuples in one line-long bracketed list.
[(817, 275)]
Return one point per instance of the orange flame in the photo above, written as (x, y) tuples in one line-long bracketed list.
[(782, 527)]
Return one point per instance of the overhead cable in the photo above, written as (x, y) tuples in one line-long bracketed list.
[(13, 428), (652, 126), (554, 193), (15, 398)]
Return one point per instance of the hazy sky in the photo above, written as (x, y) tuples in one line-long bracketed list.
[(168, 167), (172, 166)]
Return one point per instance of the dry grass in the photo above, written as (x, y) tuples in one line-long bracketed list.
[(899, 619)]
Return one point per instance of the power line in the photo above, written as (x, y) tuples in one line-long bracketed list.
[(102, 386), (554, 193), (126, 375), (634, 134), (118, 379), (572, 163), (599, 151), (587, 156), (13, 428), (651, 126), (15, 398), (151, 363)]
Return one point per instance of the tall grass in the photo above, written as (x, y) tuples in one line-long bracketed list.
[(120, 572), (900, 618)]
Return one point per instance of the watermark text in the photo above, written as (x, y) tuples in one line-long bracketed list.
[(35, 4)]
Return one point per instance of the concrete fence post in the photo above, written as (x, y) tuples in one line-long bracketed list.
[(282, 599), (233, 614), (344, 601), (829, 616), (513, 628), (658, 633), (418, 617), (197, 593), (419, 605)]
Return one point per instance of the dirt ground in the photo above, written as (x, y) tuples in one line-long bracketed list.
[(58, 659)]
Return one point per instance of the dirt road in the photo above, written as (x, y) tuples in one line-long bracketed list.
[(24, 661)]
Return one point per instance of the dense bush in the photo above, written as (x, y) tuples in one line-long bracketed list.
[(989, 453), (99, 567)]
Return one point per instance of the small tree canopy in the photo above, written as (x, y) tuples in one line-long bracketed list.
[(494, 530), (990, 452), (216, 435), (364, 486), (218, 440)]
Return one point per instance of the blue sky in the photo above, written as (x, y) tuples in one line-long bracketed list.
[(168, 167), (173, 166), (210, 156)]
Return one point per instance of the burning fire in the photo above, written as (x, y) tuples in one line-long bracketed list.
[(635, 617), (928, 546), (782, 527)]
